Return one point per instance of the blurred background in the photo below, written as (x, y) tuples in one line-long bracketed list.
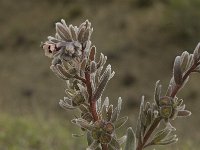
[(141, 39)]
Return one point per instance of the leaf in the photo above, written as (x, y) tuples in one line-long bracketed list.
[(161, 135), (73, 32), (120, 122), (157, 92), (170, 140), (109, 112), (89, 138), (184, 61), (92, 53), (57, 72), (183, 113), (177, 71), (63, 31), (102, 84), (131, 140), (63, 71), (81, 33), (66, 105), (104, 113), (117, 110), (82, 123), (93, 67), (197, 53), (122, 140)]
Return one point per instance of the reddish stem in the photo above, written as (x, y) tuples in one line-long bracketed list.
[(91, 101), (148, 133)]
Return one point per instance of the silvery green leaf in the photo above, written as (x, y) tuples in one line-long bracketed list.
[(138, 130), (186, 80), (83, 108), (57, 72), (141, 107), (169, 140), (184, 61), (92, 53), (179, 102), (80, 34), (106, 102), (190, 61), (83, 91), (122, 140), (98, 73), (100, 60), (66, 105), (140, 127), (149, 117), (89, 138), (131, 140), (93, 146), (104, 61), (53, 39), (184, 113), (63, 31), (119, 105), (58, 37), (174, 114), (87, 116), (102, 84), (70, 93), (93, 81), (157, 92), (196, 53), (114, 144), (161, 135), (104, 112), (109, 112), (177, 71), (73, 32), (112, 75), (182, 107), (117, 110), (120, 122), (86, 35), (93, 67), (82, 123), (63, 71), (83, 64), (114, 115), (98, 105), (143, 118)]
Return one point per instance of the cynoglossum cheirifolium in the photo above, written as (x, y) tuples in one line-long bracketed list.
[(74, 60)]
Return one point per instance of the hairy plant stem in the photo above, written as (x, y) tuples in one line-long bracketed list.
[(148, 133), (153, 126), (91, 101)]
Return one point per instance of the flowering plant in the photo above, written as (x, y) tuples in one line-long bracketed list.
[(74, 60)]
